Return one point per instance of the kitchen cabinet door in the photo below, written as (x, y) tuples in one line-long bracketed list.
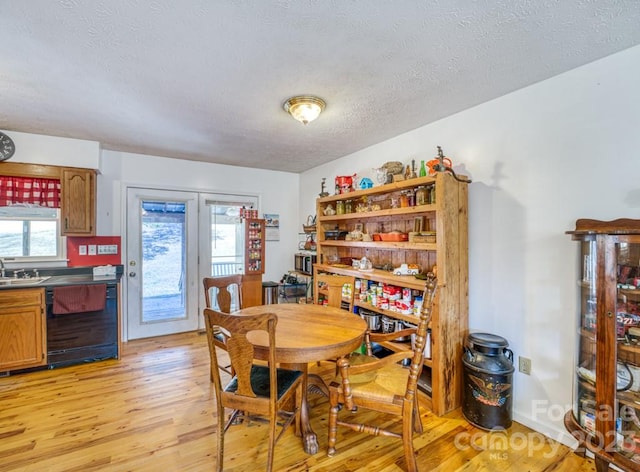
[(22, 329), (78, 188)]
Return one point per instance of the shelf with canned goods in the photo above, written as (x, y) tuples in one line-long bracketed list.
[(391, 233)]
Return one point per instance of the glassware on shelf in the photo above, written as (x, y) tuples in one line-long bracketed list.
[(423, 170), (422, 196)]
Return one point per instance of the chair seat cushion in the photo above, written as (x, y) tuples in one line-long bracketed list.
[(260, 380), (387, 383)]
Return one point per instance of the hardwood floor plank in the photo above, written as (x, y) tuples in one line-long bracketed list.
[(154, 410)]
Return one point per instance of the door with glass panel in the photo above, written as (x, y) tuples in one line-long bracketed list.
[(162, 262), (222, 249)]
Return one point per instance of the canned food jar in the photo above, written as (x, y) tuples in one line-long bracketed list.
[(340, 207), (488, 381), (348, 206), (422, 197)]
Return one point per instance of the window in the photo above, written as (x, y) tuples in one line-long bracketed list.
[(30, 232)]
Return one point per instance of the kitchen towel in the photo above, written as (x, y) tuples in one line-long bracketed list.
[(79, 298)]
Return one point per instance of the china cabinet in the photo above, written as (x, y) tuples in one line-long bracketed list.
[(387, 227), (606, 394), (22, 329)]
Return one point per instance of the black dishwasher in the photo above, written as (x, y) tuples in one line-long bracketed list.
[(74, 338)]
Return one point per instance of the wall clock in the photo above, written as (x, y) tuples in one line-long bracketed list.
[(7, 147)]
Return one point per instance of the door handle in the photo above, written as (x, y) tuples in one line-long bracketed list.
[(132, 274)]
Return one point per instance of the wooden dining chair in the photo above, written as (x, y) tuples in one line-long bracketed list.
[(226, 291), (224, 294), (263, 390), (330, 288), (385, 386)]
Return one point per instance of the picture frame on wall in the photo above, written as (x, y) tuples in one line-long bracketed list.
[(272, 226)]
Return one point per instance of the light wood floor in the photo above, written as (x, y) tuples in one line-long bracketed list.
[(153, 411)]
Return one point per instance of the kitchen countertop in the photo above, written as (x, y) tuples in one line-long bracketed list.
[(66, 276)]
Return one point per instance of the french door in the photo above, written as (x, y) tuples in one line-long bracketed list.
[(174, 239), (162, 262)]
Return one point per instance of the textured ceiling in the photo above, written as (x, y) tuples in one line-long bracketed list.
[(205, 79)]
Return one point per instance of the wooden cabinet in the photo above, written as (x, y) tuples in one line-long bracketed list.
[(442, 245), (22, 329), (254, 238), (254, 241), (78, 206), (606, 394)]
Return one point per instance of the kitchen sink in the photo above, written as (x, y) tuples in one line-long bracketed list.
[(4, 281)]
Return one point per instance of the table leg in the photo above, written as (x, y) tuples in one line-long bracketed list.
[(309, 437)]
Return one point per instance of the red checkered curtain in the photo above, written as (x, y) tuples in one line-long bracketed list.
[(36, 191)]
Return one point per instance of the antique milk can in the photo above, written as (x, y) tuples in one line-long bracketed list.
[(488, 380)]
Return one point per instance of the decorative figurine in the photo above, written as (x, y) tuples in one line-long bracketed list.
[(344, 183), (443, 164), (323, 193), (365, 183)]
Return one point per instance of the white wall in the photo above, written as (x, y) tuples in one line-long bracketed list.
[(540, 158), (53, 150)]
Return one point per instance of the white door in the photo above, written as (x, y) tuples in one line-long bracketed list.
[(161, 262), (222, 235)]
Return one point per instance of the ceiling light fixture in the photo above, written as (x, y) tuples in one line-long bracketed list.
[(304, 108)]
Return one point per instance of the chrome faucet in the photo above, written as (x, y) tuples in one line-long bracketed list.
[(1, 267), (16, 272)]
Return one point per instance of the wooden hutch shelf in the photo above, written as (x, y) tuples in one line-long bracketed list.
[(446, 216)]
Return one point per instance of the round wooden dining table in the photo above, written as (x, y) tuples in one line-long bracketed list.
[(307, 333)]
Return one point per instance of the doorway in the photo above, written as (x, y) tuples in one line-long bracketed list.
[(162, 252), (174, 239)]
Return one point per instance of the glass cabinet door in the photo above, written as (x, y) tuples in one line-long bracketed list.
[(585, 385), (627, 310)]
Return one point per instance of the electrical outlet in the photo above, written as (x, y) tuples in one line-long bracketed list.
[(82, 250), (92, 249), (107, 249), (524, 365)]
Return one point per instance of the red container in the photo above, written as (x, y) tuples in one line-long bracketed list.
[(394, 237), (344, 183)]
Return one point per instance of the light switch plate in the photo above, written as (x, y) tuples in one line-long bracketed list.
[(92, 249)]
